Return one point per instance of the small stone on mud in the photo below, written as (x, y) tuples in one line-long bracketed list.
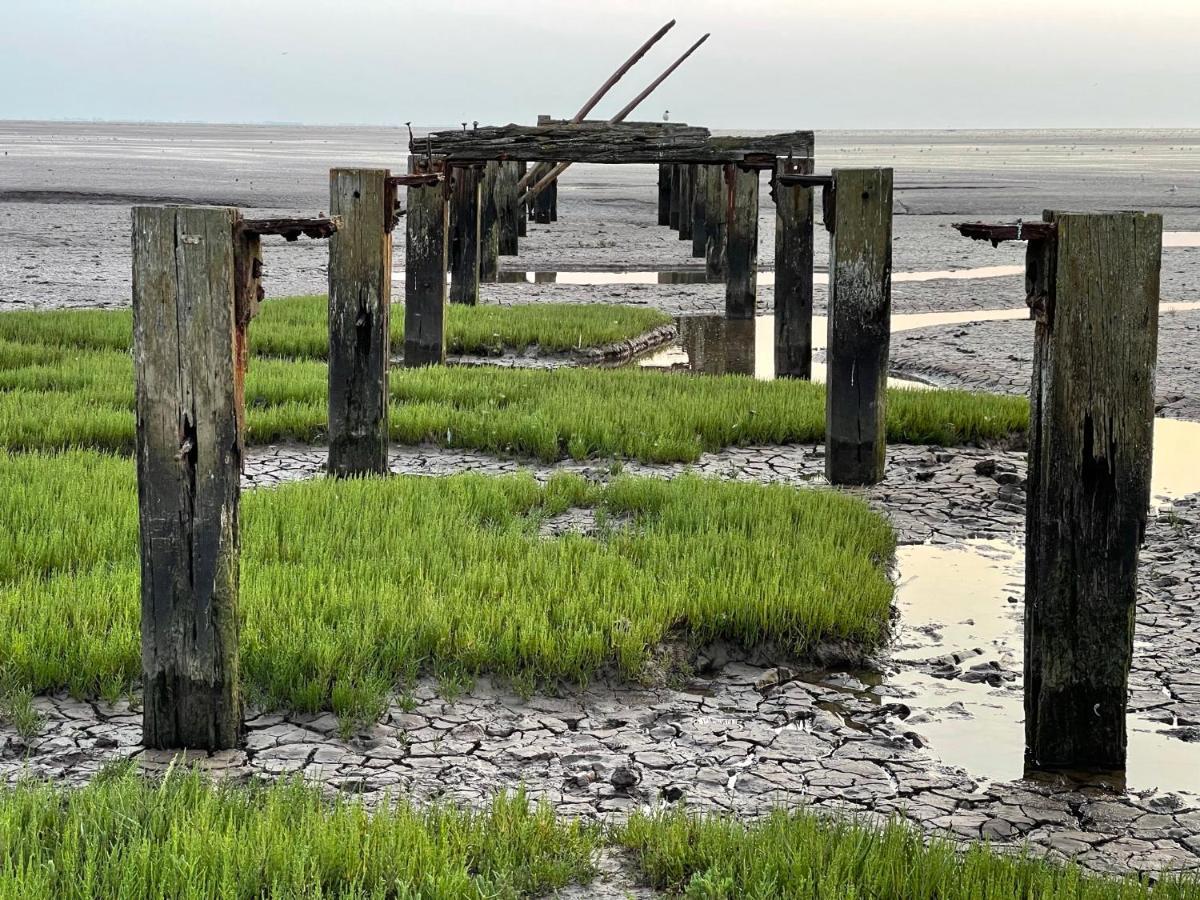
[(624, 777)]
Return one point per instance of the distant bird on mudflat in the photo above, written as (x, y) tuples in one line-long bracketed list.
[(666, 115)]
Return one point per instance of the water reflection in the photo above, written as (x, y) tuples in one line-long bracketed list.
[(715, 345)]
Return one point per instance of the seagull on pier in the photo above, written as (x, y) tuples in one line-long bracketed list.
[(666, 115)]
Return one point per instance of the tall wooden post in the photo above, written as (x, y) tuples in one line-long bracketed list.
[(741, 241), (664, 194), (464, 233), (189, 467), (427, 223), (522, 211), (713, 181), (360, 298), (699, 210), (543, 203), (1095, 294), (793, 273), (507, 206), (676, 193), (686, 172), (489, 223)]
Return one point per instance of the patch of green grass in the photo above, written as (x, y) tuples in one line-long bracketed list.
[(55, 397), (349, 587), (802, 854), (124, 836), (298, 327)]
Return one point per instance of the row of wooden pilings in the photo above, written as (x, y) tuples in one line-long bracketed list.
[(1093, 282)]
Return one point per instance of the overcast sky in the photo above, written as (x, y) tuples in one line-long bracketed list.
[(769, 63)]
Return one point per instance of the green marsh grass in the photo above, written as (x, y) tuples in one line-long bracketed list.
[(803, 854), (184, 838), (351, 587)]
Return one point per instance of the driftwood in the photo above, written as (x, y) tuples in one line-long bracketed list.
[(614, 143)]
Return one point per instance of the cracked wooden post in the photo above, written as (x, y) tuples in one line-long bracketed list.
[(522, 209), (686, 188), (189, 466), (360, 297), (489, 222), (506, 207), (699, 211), (664, 194), (1095, 293), (860, 301), (463, 246), (741, 241), (427, 223), (545, 203), (793, 273), (713, 181), (676, 193)]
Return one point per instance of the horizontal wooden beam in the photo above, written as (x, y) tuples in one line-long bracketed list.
[(799, 180), (997, 234), (291, 229), (623, 142)]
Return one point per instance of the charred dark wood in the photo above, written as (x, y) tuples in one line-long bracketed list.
[(427, 224), (463, 246), (697, 178), (686, 187), (664, 194), (1095, 291), (507, 207), (489, 223), (615, 143), (713, 183), (189, 467), (793, 272), (290, 229), (997, 234), (522, 209), (741, 241), (360, 297), (860, 302), (676, 194)]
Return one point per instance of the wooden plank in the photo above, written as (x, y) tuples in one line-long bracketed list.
[(699, 210), (1014, 231), (507, 207), (793, 273), (686, 190), (427, 224), (620, 142), (1091, 440), (664, 194), (290, 228), (360, 297), (741, 241), (489, 223), (465, 205), (714, 217), (189, 466), (860, 301)]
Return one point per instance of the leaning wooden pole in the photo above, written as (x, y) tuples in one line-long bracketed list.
[(607, 86), (793, 272), (189, 465), (427, 221), (859, 317), (1095, 295), (360, 299), (621, 116)]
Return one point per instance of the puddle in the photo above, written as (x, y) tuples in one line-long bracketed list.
[(1181, 239), (967, 600), (697, 276)]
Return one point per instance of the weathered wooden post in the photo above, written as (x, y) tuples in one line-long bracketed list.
[(489, 223), (544, 201), (507, 207), (860, 302), (676, 193), (699, 210), (1094, 288), (686, 189), (741, 241), (463, 246), (189, 467), (427, 224), (714, 218), (360, 298), (793, 272), (664, 194), (522, 209)]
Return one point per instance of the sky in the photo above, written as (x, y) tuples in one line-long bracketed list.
[(785, 64)]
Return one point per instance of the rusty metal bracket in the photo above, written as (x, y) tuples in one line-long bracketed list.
[(1040, 258), (291, 228)]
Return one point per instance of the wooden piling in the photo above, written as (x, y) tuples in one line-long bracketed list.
[(664, 194), (427, 223), (543, 203), (686, 190), (522, 210), (489, 222), (1095, 295), (676, 193), (741, 241), (463, 249), (860, 300), (793, 273), (507, 207), (360, 298), (713, 181), (189, 466), (699, 210)]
